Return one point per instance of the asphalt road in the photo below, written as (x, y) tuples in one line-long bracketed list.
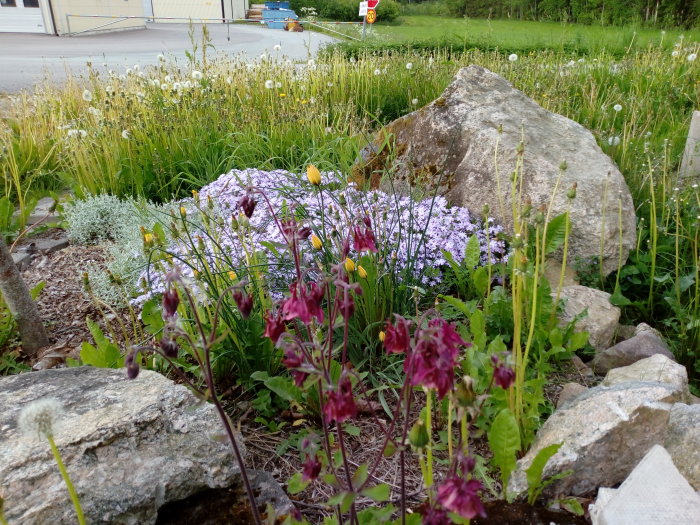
[(26, 59)]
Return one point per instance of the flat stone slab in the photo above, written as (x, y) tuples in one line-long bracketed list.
[(128, 446), (654, 493), (657, 369)]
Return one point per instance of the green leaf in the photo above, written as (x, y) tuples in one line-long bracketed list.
[(467, 308), (36, 291), (555, 232), (504, 440), (378, 493), (686, 281), (577, 341), (618, 299), (472, 253), (477, 327), (152, 317), (481, 280), (572, 505), (352, 430), (295, 484), (285, 388), (360, 475), (534, 471), (556, 338)]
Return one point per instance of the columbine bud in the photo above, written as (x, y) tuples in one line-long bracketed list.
[(313, 175), (232, 275), (464, 392), (244, 302), (382, 335), (349, 265), (169, 347), (361, 272), (316, 242), (234, 223), (183, 211), (418, 435), (171, 300), (132, 366), (571, 194), (243, 220)]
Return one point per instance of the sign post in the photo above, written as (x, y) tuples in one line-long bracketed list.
[(363, 13)]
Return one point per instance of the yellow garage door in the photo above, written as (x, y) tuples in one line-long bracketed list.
[(186, 9)]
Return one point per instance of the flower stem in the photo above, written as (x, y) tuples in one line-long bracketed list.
[(66, 479)]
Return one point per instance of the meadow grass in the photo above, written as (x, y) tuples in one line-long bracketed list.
[(161, 132), (513, 36)]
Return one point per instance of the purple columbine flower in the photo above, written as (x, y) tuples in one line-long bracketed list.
[(244, 302), (396, 337), (304, 302), (503, 375), (311, 468), (364, 240), (274, 325), (340, 403), (247, 203), (461, 497)]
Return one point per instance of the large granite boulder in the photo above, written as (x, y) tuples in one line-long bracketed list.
[(658, 369), (129, 447), (605, 432), (452, 143)]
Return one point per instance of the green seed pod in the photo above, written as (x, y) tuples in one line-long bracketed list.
[(418, 435)]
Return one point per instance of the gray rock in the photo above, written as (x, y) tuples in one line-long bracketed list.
[(683, 441), (625, 331), (690, 163), (643, 345), (602, 319), (658, 368), (655, 493), (605, 432), (451, 143), (645, 328), (129, 447), (581, 367), (568, 392)]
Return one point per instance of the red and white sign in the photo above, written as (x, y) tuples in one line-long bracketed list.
[(372, 4)]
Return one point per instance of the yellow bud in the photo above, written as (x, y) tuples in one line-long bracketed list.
[(313, 175), (195, 273), (382, 335), (195, 194), (361, 272), (183, 211), (316, 242), (349, 265), (232, 275), (148, 238)]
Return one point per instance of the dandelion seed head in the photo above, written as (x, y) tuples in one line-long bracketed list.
[(377, 72), (513, 57), (311, 62), (125, 134), (40, 417), (414, 101), (277, 47), (409, 65), (278, 84), (691, 57), (269, 84), (87, 95), (614, 141), (617, 108), (197, 75), (164, 86)]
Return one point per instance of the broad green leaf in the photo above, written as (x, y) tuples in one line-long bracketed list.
[(376, 515), (534, 472), (504, 440), (572, 505), (477, 327), (295, 484), (556, 338), (96, 333), (352, 430), (378, 493), (152, 317), (472, 253), (36, 291), (285, 388), (686, 281), (577, 341), (467, 308), (480, 277), (259, 375), (555, 232), (618, 299), (360, 475)]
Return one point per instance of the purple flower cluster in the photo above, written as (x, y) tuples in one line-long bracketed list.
[(412, 233)]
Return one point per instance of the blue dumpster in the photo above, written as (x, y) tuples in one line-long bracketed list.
[(277, 18)]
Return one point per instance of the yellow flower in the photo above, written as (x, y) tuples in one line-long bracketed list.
[(316, 242), (282, 95), (148, 238), (382, 335), (183, 211), (313, 175), (349, 265), (232, 275), (361, 272)]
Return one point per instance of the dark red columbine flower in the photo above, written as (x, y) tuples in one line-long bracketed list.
[(293, 232), (340, 403), (244, 302), (304, 302), (171, 300), (169, 347), (461, 497), (311, 468), (433, 515), (364, 240), (396, 338), (132, 365), (434, 357), (274, 325), (247, 203), (293, 360), (503, 375)]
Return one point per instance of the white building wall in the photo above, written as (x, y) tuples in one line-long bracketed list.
[(109, 9), (184, 10)]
